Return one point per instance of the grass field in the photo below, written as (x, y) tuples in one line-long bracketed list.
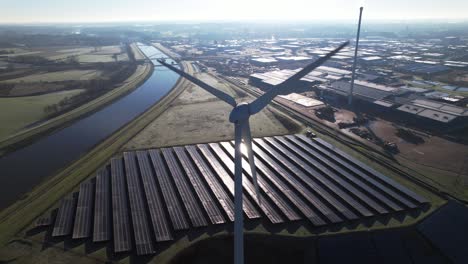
[(92, 58), (18, 112), (131, 83), (58, 76), (85, 54)]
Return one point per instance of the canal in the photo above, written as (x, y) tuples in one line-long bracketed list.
[(24, 168)]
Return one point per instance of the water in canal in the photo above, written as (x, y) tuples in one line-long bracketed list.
[(21, 170)]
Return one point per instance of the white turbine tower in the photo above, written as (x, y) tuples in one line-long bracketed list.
[(240, 117)]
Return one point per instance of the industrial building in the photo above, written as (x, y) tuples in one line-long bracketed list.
[(423, 68), (322, 74), (263, 61), (431, 111), (272, 49)]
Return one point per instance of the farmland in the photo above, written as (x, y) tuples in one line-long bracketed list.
[(38, 83)]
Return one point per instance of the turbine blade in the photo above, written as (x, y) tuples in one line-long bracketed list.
[(238, 214), (257, 105), (248, 144), (220, 94)]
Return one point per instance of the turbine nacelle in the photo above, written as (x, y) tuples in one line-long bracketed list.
[(240, 113)]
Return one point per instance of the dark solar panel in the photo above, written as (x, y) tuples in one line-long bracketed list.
[(153, 193), (362, 175), (336, 177), (141, 227), (155, 204), (102, 217), (373, 172), (64, 221), (120, 211), (223, 198), (84, 209), (296, 185), (194, 211), (206, 200), (248, 207), (369, 190), (285, 190), (179, 222), (320, 178), (265, 205), (326, 196)]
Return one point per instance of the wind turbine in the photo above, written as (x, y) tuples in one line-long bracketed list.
[(240, 115)]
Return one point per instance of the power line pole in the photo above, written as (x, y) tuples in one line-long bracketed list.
[(350, 96)]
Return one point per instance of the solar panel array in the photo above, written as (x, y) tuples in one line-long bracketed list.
[(147, 197)]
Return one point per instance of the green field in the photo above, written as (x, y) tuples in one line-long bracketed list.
[(18, 112)]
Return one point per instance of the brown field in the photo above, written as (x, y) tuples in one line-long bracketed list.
[(58, 76), (197, 116)]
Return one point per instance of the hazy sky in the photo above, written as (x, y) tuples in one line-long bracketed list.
[(20, 11)]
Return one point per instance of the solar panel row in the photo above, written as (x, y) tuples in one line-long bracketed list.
[(120, 211), (179, 222), (64, 221), (82, 227), (191, 205), (148, 196), (141, 228), (155, 204), (222, 197), (102, 212), (248, 207), (396, 186), (203, 196), (265, 205)]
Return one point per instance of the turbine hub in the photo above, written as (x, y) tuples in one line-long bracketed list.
[(240, 113)]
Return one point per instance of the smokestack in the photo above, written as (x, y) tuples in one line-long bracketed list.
[(350, 96)]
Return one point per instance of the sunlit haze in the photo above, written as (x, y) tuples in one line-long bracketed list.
[(45, 11)]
